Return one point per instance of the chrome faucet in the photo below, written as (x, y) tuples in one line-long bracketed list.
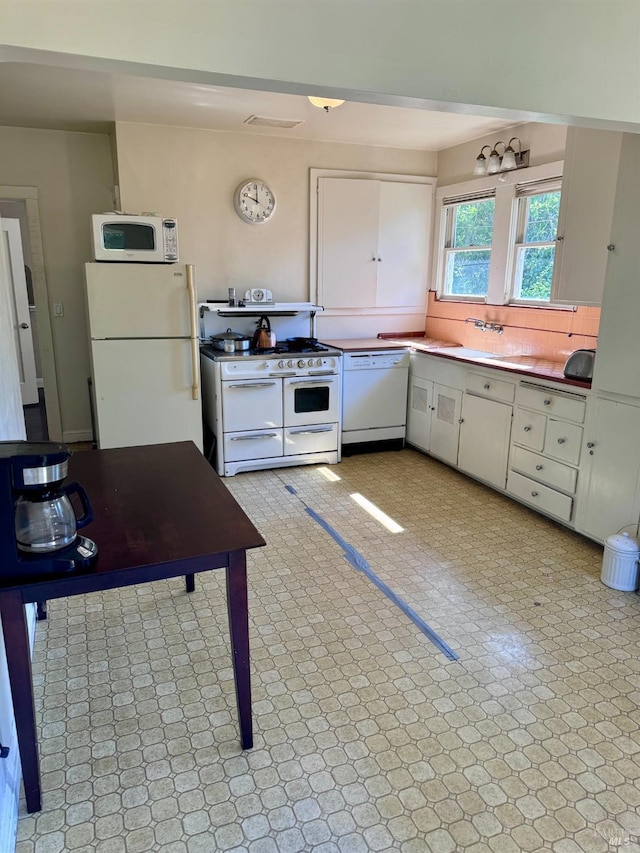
[(485, 327)]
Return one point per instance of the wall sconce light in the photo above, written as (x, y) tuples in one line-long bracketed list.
[(505, 162), (325, 104)]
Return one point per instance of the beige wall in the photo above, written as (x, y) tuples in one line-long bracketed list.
[(572, 59), (546, 142), (74, 178), (192, 174)]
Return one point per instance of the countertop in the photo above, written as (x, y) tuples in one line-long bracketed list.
[(529, 365)]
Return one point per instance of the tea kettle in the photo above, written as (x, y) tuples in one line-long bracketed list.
[(263, 337)]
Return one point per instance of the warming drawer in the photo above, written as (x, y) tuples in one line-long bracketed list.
[(253, 444), (310, 439)]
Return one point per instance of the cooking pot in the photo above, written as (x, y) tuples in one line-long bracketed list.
[(227, 340), (263, 337)]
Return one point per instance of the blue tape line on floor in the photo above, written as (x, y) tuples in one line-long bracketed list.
[(358, 562), (291, 489)]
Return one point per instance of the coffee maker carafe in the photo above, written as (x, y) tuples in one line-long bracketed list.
[(38, 522)]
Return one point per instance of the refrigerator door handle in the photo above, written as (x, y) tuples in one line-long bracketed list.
[(194, 330)]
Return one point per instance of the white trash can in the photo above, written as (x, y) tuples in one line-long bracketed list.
[(620, 562)]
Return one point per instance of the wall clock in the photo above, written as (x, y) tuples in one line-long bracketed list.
[(254, 201)]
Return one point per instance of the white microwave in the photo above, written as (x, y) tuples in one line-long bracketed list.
[(134, 239)]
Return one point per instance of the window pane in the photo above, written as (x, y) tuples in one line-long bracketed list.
[(542, 218), (467, 273), (535, 266), (473, 224)]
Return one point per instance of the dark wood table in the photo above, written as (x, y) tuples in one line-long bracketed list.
[(160, 512)]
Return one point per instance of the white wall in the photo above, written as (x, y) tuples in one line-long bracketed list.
[(74, 177), (192, 174), (572, 59)]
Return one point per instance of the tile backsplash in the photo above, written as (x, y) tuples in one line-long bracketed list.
[(549, 333)]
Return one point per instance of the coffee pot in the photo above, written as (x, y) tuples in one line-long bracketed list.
[(38, 521)]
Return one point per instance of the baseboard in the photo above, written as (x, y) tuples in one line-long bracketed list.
[(70, 436)]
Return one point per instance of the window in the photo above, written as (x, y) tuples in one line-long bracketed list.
[(498, 238), (469, 233), (535, 245)]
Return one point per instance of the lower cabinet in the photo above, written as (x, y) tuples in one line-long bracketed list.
[(484, 439), (546, 448), (609, 487), (433, 418)]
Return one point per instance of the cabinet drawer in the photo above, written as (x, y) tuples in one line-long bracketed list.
[(487, 386), (253, 444), (563, 441), (561, 404), (529, 429), (539, 496), (545, 470), (310, 439)]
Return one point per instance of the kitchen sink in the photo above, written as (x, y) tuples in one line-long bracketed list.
[(465, 352)]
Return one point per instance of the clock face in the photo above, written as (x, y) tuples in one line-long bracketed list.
[(254, 202)]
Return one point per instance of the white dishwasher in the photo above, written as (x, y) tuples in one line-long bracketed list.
[(374, 396)]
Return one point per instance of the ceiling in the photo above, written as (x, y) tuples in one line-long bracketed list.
[(42, 96)]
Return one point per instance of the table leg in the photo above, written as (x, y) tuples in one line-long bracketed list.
[(16, 641), (190, 581), (239, 631)]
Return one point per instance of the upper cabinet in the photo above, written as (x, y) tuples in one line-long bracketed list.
[(586, 209), (373, 246), (616, 365)]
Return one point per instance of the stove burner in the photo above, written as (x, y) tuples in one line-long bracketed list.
[(285, 349)]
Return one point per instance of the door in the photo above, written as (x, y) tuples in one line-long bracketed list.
[(311, 400), (143, 393), (251, 404), (609, 479), (375, 398), (347, 242), (138, 300), (419, 412), (403, 244), (19, 308), (484, 439), (445, 423)]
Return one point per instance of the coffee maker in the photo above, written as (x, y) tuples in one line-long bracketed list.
[(38, 522)]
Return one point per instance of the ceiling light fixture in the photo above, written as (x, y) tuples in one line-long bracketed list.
[(505, 162), (325, 104)]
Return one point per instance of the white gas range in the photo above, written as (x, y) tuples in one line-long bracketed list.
[(273, 408)]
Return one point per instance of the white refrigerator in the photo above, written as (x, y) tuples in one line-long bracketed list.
[(144, 353)]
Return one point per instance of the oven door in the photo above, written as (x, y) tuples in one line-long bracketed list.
[(251, 404), (311, 400)]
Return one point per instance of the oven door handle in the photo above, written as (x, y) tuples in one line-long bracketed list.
[(308, 431), (256, 435), (312, 382), (251, 385)]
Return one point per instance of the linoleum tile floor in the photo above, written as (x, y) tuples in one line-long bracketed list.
[(367, 737)]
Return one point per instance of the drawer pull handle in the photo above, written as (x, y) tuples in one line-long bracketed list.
[(547, 402), (561, 440), (539, 467), (534, 494), (486, 386), (527, 429)]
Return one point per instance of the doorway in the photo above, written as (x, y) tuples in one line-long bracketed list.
[(20, 232)]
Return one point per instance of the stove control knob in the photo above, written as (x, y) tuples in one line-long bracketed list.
[(290, 363), (319, 362), (301, 363), (281, 364)]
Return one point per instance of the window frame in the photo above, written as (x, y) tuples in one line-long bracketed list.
[(524, 192), (449, 219), (504, 188)]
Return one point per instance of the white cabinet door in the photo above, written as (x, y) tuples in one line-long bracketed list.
[(586, 210), (445, 423), (484, 439), (348, 216), (419, 412), (373, 243), (609, 481), (403, 244), (616, 366)]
